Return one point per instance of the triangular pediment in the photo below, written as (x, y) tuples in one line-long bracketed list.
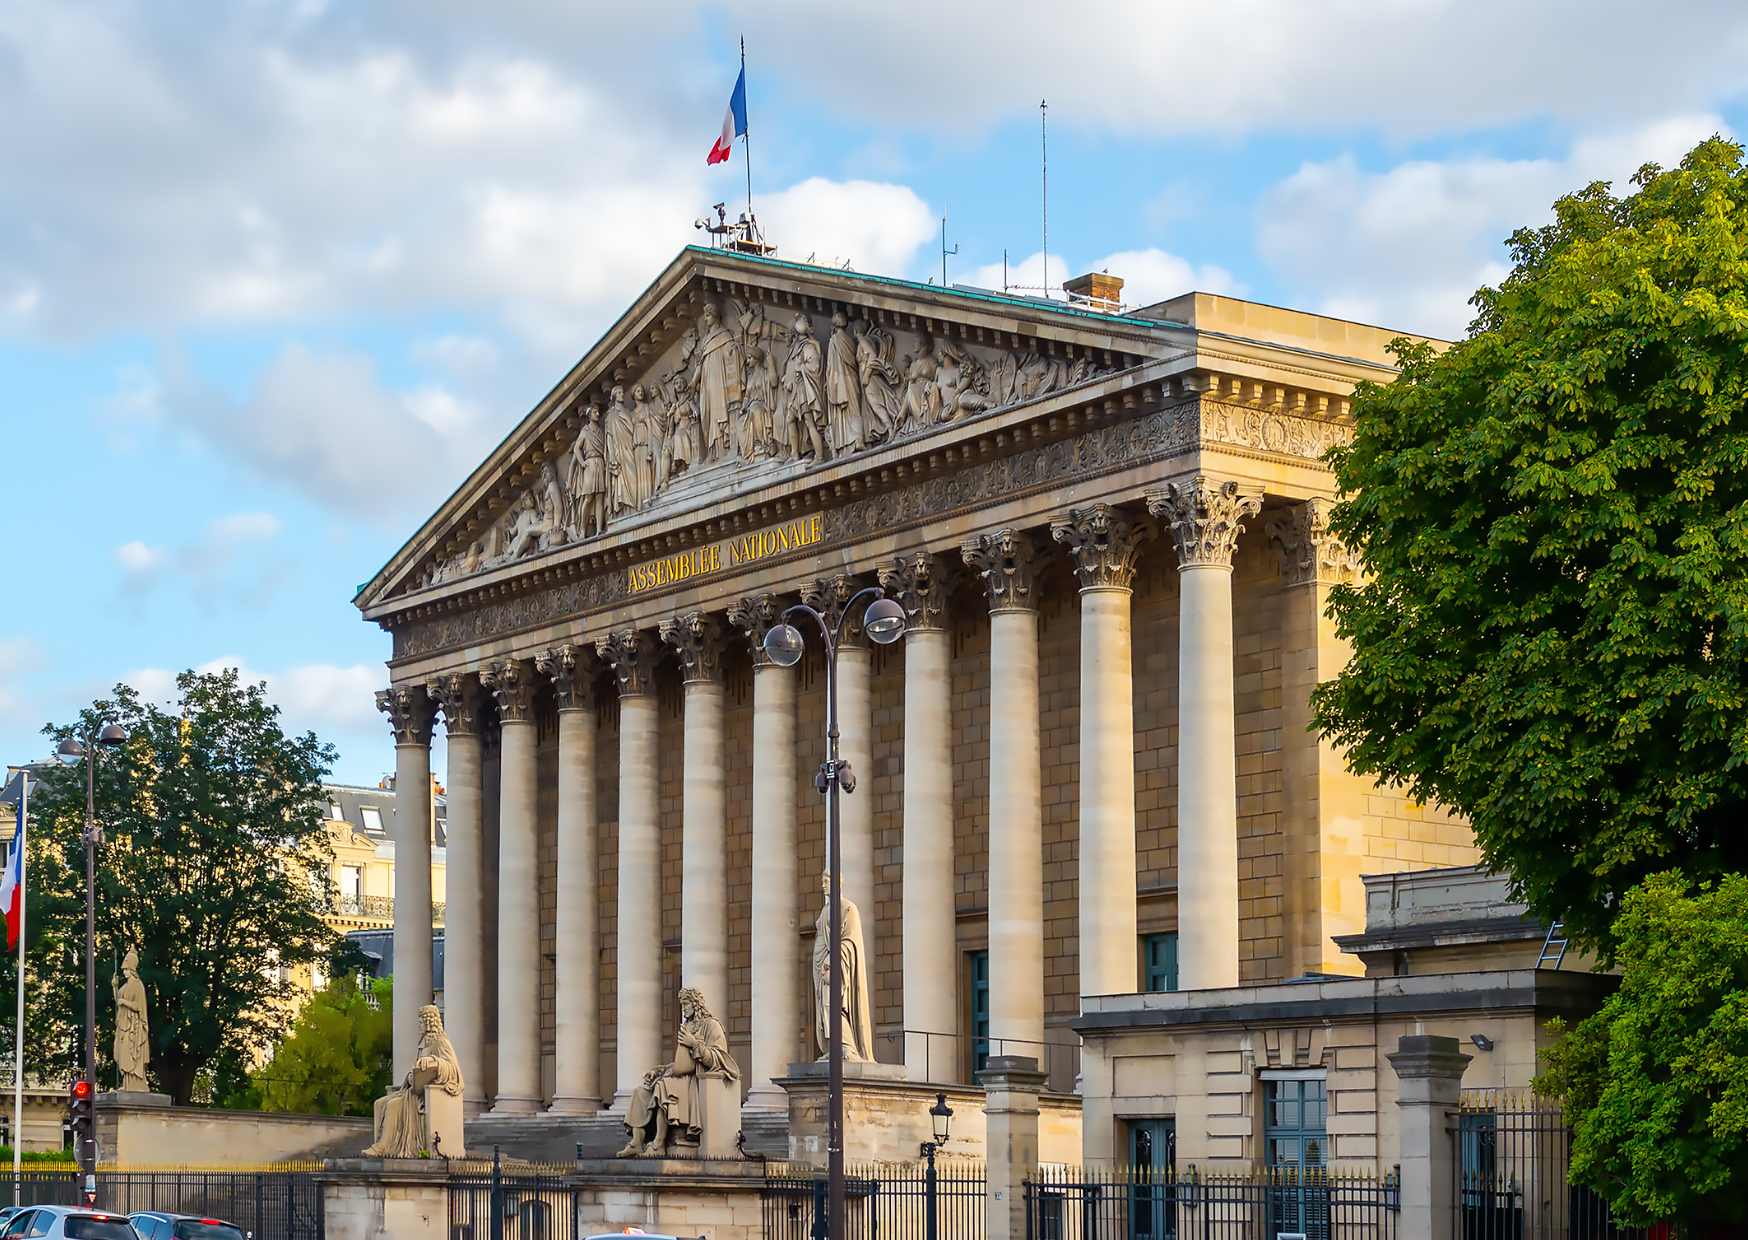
[(731, 372)]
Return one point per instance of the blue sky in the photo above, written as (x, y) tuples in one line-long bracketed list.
[(273, 277)]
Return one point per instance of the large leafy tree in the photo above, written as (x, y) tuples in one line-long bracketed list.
[(1656, 1079), (337, 1059), (213, 863), (1553, 513)]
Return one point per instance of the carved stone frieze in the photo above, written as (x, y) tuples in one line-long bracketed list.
[(458, 693), (410, 711), (1006, 560), (754, 616), (570, 667), (830, 596), (1104, 543), (512, 683), (632, 654), (697, 638), (1268, 430), (1305, 547), (919, 582), (1206, 516)]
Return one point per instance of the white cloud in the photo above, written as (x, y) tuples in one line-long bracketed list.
[(1407, 246), (321, 697), (218, 564), (871, 225), (140, 562), (458, 354)]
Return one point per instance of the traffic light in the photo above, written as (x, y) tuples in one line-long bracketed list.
[(81, 1115)]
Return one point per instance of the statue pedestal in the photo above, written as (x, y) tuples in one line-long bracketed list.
[(132, 1098), (719, 1126), (878, 1100), (444, 1124)]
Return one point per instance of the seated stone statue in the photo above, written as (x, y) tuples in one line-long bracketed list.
[(691, 1100), (424, 1113)]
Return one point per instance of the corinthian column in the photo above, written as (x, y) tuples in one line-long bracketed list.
[(776, 978), (918, 582), (1103, 543), (1016, 839), (576, 1001), (511, 682), (830, 597), (464, 990), (1206, 518), (697, 637), (632, 655), (411, 712)]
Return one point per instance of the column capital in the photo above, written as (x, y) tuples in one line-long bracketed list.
[(410, 711), (1206, 516), (1006, 560), (570, 667), (631, 653), (918, 581), (511, 683), (697, 638), (1306, 548), (829, 596), (1104, 543), (458, 694), (754, 615)]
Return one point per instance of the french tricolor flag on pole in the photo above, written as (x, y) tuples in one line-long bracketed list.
[(12, 882), (734, 121)]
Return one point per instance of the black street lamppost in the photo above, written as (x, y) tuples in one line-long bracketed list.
[(71, 752), (884, 623), (941, 1120)]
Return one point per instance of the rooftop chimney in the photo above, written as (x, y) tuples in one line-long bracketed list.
[(1097, 290)]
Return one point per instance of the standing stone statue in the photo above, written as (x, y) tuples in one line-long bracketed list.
[(853, 951), (845, 427), (880, 382), (622, 457), (717, 382), (802, 406), (424, 1113), (588, 476), (670, 1106), (133, 1039)]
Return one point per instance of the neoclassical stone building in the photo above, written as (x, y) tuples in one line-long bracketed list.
[(1085, 770)]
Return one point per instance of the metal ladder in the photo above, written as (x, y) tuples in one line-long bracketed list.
[(1554, 946)]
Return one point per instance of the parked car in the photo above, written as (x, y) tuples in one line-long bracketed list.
[(74, 1222), (162, 1225), (6, 1213)]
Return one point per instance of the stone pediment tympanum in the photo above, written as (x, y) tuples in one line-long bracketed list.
[(732, 373)]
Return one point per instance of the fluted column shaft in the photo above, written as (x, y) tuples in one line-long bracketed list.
[(930, 940), (1016, 837), (639, 1006), (776, 977), (697, 639), (411, 712), (512, 683), (576, 1001), (464, 996), (1206, 520)]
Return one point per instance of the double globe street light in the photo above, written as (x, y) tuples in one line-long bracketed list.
[(71, 752), (884, 622)]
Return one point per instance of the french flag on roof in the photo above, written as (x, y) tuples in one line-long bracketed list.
[(12, 883), (734, 122)]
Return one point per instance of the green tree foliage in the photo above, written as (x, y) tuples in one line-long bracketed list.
[(337, 1060), (1553, 513), (213, 863), (1657, 1081)]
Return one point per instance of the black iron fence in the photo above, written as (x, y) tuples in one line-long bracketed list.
[(1142, 1203), (882, 1202), (269, 1205), (531, 1203), (1513, 1152)]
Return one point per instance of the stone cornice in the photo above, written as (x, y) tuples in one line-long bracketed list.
[(697, 638), (410, 711), (1103, 542), (919, 582)]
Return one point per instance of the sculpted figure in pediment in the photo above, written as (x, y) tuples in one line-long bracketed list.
[(801, 407), (1038, 376), (845, 426), (588, 476), (880, 381), (757, 433), (624, 494), (717, 381), (919, 407), (654, 452)]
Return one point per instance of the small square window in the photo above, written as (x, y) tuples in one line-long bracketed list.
[(372, 818)]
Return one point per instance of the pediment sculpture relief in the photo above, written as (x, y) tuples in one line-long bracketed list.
[(746, 386)]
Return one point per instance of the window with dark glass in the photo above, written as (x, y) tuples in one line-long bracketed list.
[(977, 973), (1159, 961)]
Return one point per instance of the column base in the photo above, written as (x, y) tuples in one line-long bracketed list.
[(767, 1098), (472, 1106), (502, 1105), (573, 1106)]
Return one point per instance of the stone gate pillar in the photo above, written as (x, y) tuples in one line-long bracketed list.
[(1429, 1070)]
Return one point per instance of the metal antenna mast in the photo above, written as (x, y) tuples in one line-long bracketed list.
[(945, 251), (1044, 148)]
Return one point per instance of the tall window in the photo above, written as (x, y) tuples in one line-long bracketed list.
[(351, 889), (1159, 961), (335, 812), (977, 972), (1296, 1138)]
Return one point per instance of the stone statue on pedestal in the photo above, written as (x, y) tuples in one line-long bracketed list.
[(853, 951), (424, 1113), (693, 1101), (133, 1039)]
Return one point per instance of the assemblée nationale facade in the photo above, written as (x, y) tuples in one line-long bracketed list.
[(1085, 771)]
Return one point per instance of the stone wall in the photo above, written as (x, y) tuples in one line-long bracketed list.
[(143, 1136)]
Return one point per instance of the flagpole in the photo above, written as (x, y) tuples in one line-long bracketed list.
[(747, 139), (18, 1049)]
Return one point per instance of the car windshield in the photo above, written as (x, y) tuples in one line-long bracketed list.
[(95, 1227), (195, 1229)]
